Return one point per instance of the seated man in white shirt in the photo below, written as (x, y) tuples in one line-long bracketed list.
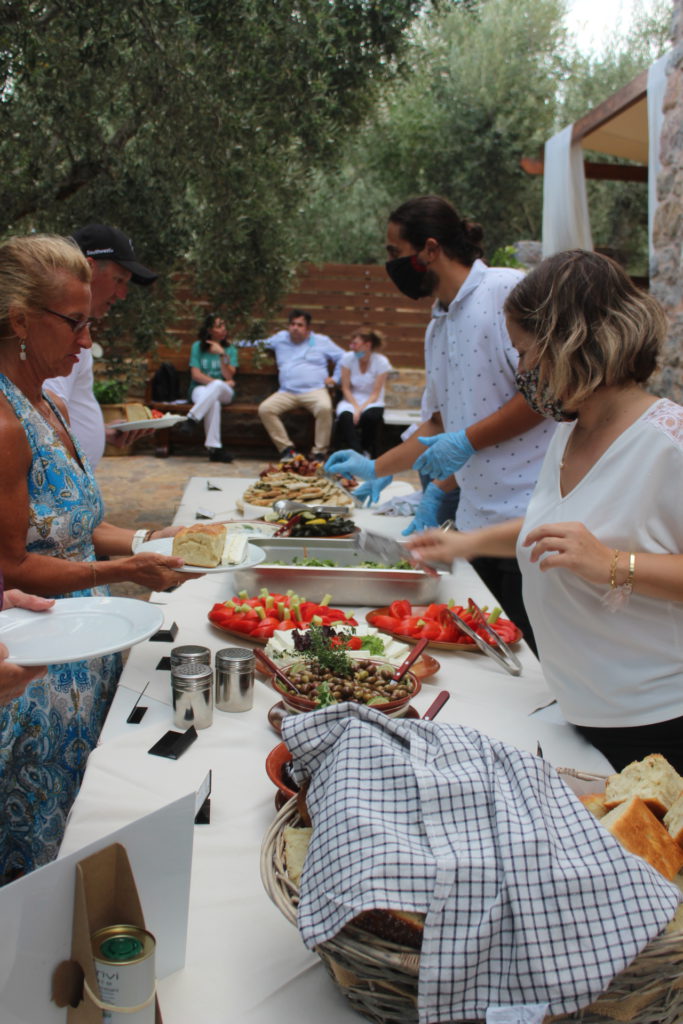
[(303, 362), (112, 260)]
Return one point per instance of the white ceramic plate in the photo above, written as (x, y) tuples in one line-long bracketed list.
[(164, 546), (76, 628), (158, 423)]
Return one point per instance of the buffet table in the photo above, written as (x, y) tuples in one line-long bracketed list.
[(245, 963)]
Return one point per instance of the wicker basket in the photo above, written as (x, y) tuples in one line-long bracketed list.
[(380, 978)]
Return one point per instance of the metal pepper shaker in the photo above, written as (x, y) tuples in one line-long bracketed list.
[(235, 679), (190, 652)]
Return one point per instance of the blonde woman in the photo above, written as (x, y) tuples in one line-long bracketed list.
[(601, 545), (51, 534)]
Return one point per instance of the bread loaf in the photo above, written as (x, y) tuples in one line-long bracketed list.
[(296, 847), (673, 820), (136, 411), (201, 544), (653, 779), (595, 803), (637, 829), (401, 926)]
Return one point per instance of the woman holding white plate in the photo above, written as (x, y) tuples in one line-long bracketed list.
[(51, 535)]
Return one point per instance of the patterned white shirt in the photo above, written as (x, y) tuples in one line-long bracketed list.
[(470, 368)]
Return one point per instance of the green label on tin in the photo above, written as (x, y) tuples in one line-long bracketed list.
[(121, 948)]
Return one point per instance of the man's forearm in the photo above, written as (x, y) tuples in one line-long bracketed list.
[(511, 420)]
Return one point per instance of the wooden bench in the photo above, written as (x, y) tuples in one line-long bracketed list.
[(241, 428)]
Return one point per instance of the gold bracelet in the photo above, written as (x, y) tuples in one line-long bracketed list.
[(631, 571), (613, 568)]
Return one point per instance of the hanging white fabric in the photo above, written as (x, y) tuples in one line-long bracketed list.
[(656, 87), (566, 224)]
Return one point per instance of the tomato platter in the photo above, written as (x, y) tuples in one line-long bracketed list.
[(409, 622), (258, 618)]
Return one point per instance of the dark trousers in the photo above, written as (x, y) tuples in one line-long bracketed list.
[(633, 743), (363, 436), (504, 580)]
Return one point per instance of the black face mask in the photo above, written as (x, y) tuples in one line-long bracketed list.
[(410, 277), (527, 384)]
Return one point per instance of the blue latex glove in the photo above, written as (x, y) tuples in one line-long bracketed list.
[(427, 514), (446, 454), (349, 463), (371, 489)]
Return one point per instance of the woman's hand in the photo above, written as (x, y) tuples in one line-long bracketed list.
[(14, 678), (570, 546), (156, 572), (216, 348), (32, 603), (441, 545), (167, 531)]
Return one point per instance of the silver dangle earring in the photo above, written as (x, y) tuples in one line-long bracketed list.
[(22, 349)]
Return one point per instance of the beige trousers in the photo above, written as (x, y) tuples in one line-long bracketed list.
[(317, 402)]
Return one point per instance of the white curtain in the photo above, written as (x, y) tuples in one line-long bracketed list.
[(566, 224), (656, 86)]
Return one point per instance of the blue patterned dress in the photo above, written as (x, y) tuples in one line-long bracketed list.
[(48, 732)]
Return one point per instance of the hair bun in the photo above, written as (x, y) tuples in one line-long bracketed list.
[(474, 231)]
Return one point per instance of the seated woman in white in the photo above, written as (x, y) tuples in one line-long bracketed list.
[(213, 363), (364, 372)]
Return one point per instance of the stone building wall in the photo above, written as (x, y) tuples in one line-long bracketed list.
[(666, 270)]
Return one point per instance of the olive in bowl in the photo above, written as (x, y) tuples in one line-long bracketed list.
[(367, 682)]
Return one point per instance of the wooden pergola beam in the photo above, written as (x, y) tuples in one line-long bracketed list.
[(603, 172), (614, 104)]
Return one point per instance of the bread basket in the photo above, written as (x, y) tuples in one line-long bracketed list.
[(380, 978)]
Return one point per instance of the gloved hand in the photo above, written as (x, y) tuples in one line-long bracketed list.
[(427, 514), (446, 454), (349, 463), (371, 489)]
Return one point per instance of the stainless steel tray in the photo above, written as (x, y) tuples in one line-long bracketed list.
[(348, 582), (309, 542)]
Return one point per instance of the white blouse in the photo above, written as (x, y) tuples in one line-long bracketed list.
[(362, 384), (623, 668)]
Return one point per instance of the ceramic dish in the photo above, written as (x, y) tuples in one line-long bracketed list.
[(76, 628), (156, 423), (470, 647), (394, 708), (164, 546)]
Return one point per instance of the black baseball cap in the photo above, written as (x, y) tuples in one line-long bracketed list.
[(101, 242)]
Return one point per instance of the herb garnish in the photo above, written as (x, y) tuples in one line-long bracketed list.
[(319, 648)]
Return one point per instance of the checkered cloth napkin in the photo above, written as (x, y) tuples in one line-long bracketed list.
[(529, 900)]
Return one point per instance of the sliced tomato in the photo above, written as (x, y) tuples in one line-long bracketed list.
[(264, 632), (288, 624), (430, 630), (408, 626), (400, 609), (387, 622), (434, 611)]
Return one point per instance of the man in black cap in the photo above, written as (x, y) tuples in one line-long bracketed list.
[(112, 260)]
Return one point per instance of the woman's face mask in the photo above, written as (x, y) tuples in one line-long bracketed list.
[(410, 276), (527, 384)]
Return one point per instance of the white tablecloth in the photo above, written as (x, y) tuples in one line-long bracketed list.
[(245, 964)]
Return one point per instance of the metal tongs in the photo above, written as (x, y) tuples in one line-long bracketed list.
[(499, 651)]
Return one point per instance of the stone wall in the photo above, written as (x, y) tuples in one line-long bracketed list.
[(666, 269)]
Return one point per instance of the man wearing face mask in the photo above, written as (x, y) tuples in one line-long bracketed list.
[(483, 430)]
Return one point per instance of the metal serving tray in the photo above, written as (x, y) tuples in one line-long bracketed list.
[(348, 583)]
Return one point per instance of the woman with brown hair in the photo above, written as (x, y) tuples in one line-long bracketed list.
[(601, 545), (364, 371)]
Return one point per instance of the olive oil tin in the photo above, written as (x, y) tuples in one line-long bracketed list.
[(123, 956)]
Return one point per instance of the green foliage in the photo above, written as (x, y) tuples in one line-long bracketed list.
[(195, 125), (491, 82), (505, 257), (109, 392)]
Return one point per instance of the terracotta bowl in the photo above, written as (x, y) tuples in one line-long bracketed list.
[(394, 708), (277, 758)]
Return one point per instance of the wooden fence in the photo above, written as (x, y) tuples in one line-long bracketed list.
[(341, 297)]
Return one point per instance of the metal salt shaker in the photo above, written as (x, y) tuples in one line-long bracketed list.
[(190, 652), (192, 684), (235, 679)]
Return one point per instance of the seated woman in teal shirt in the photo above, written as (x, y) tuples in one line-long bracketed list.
[(213, 363)]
